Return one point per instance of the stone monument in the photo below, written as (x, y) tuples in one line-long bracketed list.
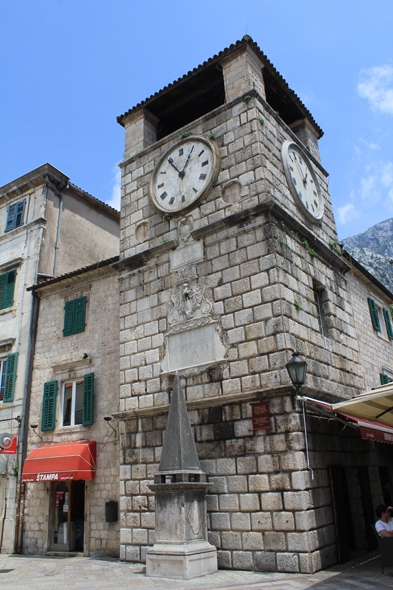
[(181, 549)]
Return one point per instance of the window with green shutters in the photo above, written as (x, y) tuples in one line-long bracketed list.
[(10, 377), (74, 316), (78, 401), (15, 217), (7, 288), (388, 322), (374, 314), (384, 378), (49, 406)]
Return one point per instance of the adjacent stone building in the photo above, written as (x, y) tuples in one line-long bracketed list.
[(48, 226), (68, 506), (229, 263)]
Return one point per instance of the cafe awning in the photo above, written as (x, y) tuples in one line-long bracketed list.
[(375, 405), (76, 460), (369, 429)]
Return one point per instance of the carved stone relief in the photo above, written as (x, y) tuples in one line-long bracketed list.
[(193, 343)]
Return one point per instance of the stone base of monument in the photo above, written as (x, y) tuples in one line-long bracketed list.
[(181, 560)]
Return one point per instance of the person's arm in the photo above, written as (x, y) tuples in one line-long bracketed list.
[(385, 533)]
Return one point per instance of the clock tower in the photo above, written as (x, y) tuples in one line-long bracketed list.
[(228, 265)]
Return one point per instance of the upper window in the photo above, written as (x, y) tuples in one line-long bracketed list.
[(74, 316), (7, 287), (16, 214), (8, 377), (3, 371), (318, 310), (374, 314)]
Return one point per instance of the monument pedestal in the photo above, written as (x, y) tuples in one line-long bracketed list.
[(181, 560), (181, 549)]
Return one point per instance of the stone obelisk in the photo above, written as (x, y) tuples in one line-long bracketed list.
[(181, 549)]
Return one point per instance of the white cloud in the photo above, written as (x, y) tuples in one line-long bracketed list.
[(115, 199), (371, 146), (376, 85), (347, 213)]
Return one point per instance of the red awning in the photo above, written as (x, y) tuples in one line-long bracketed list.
[(58, 462), (369, 430)]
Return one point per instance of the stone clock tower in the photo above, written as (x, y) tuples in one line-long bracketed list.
[(227, 266)]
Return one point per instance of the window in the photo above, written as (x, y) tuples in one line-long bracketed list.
[(74, 316), (318, 310), (3, 370), (384, 378), (15, 217), (76, 403), (374, 314), (7, 287), (73, 403), (8, 377)]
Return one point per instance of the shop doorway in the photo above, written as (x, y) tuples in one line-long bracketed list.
[(68, 515)]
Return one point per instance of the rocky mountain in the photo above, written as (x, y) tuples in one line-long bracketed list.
[(373, 249)]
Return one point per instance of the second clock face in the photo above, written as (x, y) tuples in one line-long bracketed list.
[(302, 181), (184, 174)]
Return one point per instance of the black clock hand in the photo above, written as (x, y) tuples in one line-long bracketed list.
[(172, 164), (184, 167)]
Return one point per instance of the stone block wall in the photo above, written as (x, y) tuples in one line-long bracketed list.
[(61, 358), (375, 348), (267, 510)]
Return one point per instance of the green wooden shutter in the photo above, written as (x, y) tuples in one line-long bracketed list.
[(10, 376), (49, 406), (69, 310), (9, 290), (3, 289), (11, 217), (19, 214), (384, 378), (388, 323), (88, 399), (79, 315), (374, 314)]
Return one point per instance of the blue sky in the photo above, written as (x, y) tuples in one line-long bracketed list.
[(69, 67)]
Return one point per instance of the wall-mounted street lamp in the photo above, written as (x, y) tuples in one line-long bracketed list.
[(33, 427), (297, 369)]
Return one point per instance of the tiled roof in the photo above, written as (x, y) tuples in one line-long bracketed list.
[(266, 62), (74, 273)]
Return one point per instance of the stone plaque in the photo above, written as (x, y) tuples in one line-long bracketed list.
[(193, 350)]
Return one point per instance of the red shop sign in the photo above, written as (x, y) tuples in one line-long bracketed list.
[(11, 449), (260, 416)]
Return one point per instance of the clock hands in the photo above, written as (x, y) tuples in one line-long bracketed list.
[(181, 174)]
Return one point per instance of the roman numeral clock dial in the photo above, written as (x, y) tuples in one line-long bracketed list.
[(184, 174), (302, 181)]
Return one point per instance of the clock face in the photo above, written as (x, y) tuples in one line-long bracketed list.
[(184, 174), (302, 181)]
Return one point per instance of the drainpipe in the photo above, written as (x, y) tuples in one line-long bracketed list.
[(25, 427)]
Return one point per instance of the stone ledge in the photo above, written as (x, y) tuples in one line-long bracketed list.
[(138, 260)]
